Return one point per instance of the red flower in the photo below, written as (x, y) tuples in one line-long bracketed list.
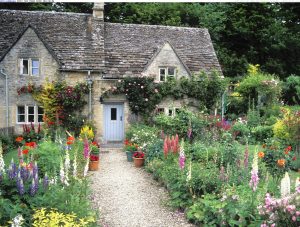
[(25, 151), (289, 148), (19, 139), (126, 142), (294, 158), (95, 143), (30, 144), (94, 158), (69, 142), (139, 154)]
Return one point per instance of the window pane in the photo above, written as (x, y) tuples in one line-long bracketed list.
[(113, 114), (40, 110), (162, 78), (30, 118), (35, 72), (21, 109), (31, 110), (35, 64), (170, 112), (171, 71), (25, 66), (160, 110), (177, 110), (40, 118), (162, 71), (21, 118)]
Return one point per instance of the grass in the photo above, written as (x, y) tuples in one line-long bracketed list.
[(9, 155)]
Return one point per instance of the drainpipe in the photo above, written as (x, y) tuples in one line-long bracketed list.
[(6, 99), (89, 81)]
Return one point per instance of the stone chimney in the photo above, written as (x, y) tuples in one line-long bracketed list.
[(98, 10)]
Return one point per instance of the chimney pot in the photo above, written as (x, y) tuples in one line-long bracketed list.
[(98, 10)]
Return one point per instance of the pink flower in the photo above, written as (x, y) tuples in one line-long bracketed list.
[(294, 218), (254, 179)]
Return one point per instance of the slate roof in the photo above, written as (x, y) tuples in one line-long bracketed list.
[(115, 49)]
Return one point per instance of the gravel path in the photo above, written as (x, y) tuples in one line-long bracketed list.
[(128, 197)]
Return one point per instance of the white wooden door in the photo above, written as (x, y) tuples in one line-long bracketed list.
[(113, 122)]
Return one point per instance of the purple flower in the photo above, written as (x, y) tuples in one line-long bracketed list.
[(24, 173), (34, 187), (20, 185), (35, 171), (12, 170), (181, 161), (246, 157), (86, 149), (254, 179), (189, 133), (45, 182)]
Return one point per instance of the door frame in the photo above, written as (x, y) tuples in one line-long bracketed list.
[(122, 104)]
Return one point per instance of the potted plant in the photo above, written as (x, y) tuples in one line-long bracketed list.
[(94, 156), (130, 148), (138, 159)]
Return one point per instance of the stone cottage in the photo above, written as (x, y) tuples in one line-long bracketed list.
[(71, 46)]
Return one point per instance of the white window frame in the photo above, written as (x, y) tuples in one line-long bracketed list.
[(35, 113), (166, 75), (30, 67), (167, 111)]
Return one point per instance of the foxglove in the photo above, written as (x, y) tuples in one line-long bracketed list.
[(285, 186), (254, 174), (86, 149), (75, 167), (62, 172), (67, 162), (2, 164), (189, 173), (246, 157), (297, 185), (181, 155), (86, 168)]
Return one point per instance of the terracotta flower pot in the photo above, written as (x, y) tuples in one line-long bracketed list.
[(93, 165), (138, 162)]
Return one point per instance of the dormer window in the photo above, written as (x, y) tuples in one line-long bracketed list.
[(29, 67), (165, 72)]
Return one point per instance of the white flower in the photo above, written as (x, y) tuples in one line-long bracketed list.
[(189, 174), (86, 168), (62, 172), (75, 167), (2, 164), (17, 221), (285, 186), (67, 162)]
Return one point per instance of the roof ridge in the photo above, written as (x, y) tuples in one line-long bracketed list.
[(46, 12), (159, 26)]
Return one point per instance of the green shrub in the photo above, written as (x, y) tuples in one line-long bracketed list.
[(240, 130), (154, 150), (261, 133), (291, 90)]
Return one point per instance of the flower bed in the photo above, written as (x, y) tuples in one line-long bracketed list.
[(46, 179)]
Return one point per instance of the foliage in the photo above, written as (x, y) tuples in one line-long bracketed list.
[(144, 94), (52, 217), (30, 133), (261, 133), (62, 104), (259, 88), (154, 150), (142, 135), (7, 142), (277, 158), (291, 90), (129, 146)]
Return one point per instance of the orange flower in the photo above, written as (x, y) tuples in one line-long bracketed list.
[(71, 138), (19, 139), (30, 144), (281, 162), (286, 152), (25, 151), (261, 154)]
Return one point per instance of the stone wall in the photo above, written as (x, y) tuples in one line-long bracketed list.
[(28, 46)]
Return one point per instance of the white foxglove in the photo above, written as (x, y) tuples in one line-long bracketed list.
[(2, 164), (285, 188), (86, 168), (75, 167)]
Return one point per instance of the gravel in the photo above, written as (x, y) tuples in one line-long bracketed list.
[(129, 197)]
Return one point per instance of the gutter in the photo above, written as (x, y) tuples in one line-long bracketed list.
[(6, 98)]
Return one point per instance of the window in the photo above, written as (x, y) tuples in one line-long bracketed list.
[(171, 112), (113, 114), (165, 72), (160, 111), (27, 114), (29, 67)]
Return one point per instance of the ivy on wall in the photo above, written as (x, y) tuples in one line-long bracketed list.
[(62, 103), (144, 94)]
